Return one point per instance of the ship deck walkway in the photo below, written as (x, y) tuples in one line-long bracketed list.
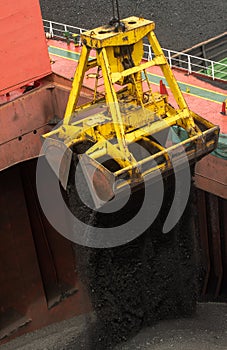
[(219, 68)]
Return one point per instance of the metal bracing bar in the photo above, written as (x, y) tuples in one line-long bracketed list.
[(161, 153), (167, 72), (157, 61), (103, 147), (77, 84), (112, 101)]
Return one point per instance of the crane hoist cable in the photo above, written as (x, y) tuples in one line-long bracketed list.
[(115, 20)]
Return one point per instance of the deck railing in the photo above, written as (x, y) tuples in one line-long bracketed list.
[(191, 64), (59, 30)]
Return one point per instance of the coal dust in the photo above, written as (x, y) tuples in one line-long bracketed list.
[(139, 283)]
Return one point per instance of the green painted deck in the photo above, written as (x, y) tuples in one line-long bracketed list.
[(220, 70)]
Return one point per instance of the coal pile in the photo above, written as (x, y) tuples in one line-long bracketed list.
[(148, 279), (180, 24)]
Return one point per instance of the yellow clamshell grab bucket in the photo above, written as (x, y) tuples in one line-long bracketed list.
[(126, 114)]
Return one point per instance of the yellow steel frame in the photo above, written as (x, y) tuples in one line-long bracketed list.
[(113, 52)]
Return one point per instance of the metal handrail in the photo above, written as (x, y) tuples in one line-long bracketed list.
[(58, 30), (189, 63)]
